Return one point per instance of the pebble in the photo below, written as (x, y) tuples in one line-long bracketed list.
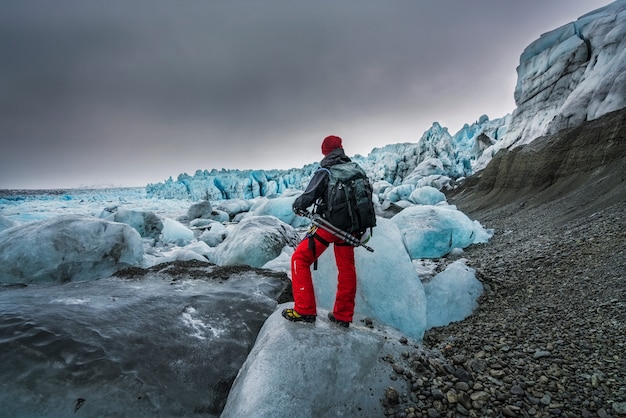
[(517, 390), (398, 368), (432, 413), (392, 396), (437, 394), (619, 408), (541, 354), (462, 386), (510, 411)]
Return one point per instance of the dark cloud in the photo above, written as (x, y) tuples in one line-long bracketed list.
[(154, 88)]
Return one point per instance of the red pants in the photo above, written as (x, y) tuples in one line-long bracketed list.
[(302, 283)]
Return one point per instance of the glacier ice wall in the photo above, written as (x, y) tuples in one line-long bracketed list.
[(570, 75)]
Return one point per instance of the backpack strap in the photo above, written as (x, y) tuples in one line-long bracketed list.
[(312, 235), (323, 169), (317, 202)]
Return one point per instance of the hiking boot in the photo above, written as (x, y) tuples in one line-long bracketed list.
[(334, 320), (294, 316)]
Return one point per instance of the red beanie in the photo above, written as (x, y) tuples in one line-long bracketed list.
[(330, 143)]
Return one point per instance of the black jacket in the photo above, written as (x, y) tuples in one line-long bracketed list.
[(317, 187)]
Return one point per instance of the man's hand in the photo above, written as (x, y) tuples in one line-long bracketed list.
[(300, 212)]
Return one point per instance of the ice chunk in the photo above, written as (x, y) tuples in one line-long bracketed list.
[(432, 231), (234, 206), (200, 223), (388, 288), (427, 195), (146, 223), (214, 235), (197, 251), (314, 370), (255, 241), (201, 209), (175, 232), (452, 295), (282, 262), (281, 208), (67, 248), (396, 194)]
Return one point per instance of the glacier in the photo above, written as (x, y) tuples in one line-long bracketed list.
[(190, 308), (77, 247), (145, 298), (569, 75), (436, 160)]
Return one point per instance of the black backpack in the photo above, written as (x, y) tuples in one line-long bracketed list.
[(348, 203)]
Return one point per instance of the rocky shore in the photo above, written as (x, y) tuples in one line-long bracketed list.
[(549, 336)]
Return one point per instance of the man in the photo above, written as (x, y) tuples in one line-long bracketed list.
[(316, 242)]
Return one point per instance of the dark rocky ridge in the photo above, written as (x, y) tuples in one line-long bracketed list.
[(549, 336), (583, 167)]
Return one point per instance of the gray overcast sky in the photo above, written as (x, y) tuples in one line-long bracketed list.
[(132, 92)]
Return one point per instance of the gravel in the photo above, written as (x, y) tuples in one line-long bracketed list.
[(549, 336)]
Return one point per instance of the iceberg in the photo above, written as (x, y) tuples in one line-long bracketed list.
[(452, 295), (67, 248), (433, 231), (255, 241)]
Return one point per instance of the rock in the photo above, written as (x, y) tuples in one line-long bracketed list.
[(451, 397), (462, 410), (398, 368), (619, 408), (478, 365), (432, 413), (541, 354), (463, 386), (479, 396), (517, 390), (464, 399), (392, 396), (510, 411), (458, 359), (437, 394)]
